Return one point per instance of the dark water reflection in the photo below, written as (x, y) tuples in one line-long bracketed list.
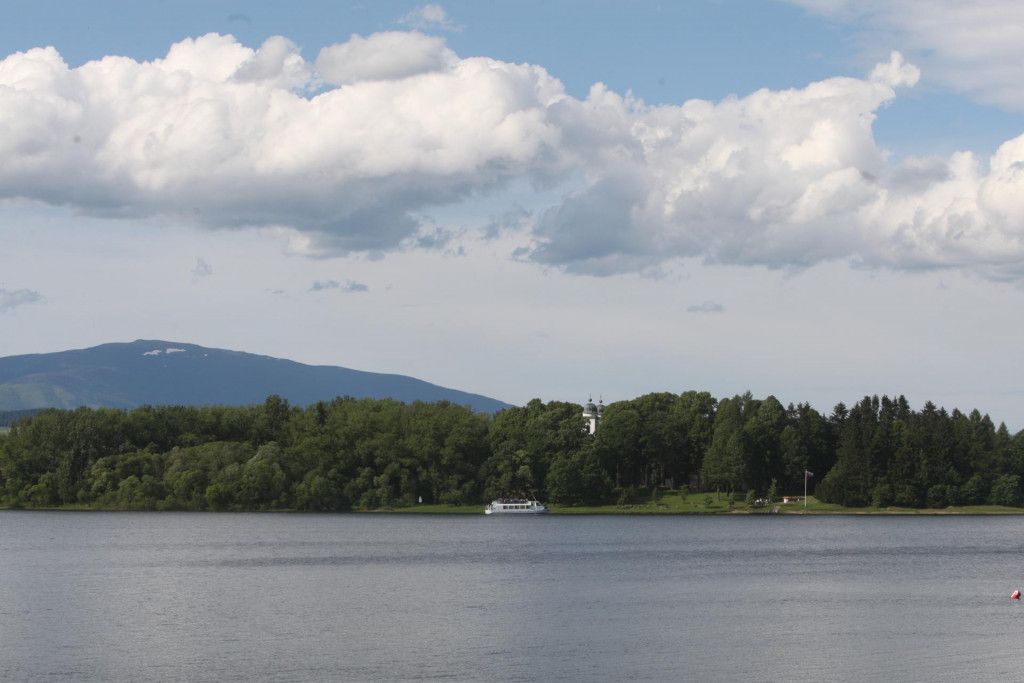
[(164, 596)]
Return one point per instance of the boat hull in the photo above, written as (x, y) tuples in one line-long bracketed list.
[(514, 507)]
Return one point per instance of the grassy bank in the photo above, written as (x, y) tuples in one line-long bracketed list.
[(674, 502)]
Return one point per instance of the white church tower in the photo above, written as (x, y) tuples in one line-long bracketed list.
[(592, 413)]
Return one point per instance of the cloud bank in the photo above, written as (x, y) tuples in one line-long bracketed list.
[(346, 154), (429, 17)]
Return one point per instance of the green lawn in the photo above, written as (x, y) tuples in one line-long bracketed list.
[(437, 509), (674, 502), (669, 502)]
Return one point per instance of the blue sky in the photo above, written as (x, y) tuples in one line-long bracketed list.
[(815, 199), (662, 52)]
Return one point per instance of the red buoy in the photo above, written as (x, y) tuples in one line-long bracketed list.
[(1015, 595)]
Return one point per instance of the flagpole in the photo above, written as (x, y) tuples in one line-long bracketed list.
[(805, 488)]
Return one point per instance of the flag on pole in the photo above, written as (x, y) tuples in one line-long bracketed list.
[(808, 474)]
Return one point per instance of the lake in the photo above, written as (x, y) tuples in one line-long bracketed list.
[(365, 597)]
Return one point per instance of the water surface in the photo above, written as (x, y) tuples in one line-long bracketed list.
[(288, 597)]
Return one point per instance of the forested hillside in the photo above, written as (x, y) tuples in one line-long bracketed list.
[(367, 454), (154, 372), (9, 417)]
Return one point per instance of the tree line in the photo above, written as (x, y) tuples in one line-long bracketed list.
[(352, 454)]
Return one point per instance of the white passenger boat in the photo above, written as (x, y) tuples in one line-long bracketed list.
[(514, 506)]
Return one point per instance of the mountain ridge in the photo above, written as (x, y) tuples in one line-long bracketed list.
[(157, 372)]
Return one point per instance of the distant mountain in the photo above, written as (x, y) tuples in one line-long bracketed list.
[(169, 373)]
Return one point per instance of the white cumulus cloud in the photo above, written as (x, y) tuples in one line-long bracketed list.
[(218, 134), (780, 179), (383, 56), (429, 16)]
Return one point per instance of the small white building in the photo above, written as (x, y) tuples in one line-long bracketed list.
[(592, 413)]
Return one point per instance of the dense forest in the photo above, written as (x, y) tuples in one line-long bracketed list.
[(353, 454)]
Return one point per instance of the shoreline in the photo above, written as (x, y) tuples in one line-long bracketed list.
[(634, 511)]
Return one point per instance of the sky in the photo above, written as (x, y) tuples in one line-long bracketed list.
[(813, 199)]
